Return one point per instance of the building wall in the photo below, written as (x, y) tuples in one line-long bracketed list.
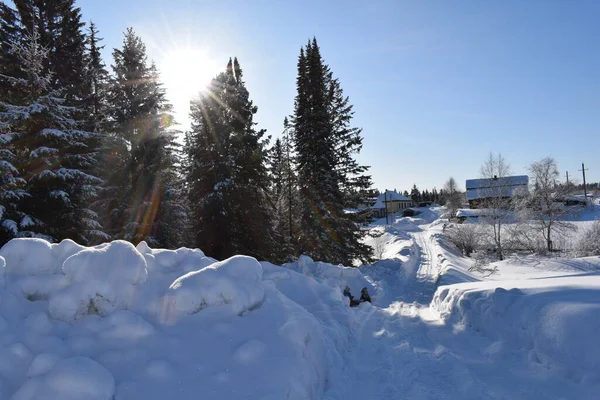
[(395, 206)]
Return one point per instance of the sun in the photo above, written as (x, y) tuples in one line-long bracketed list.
[(185, 71)]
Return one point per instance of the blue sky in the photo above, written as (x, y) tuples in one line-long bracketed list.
[(436, 85)]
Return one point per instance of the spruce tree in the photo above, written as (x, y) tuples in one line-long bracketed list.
[(140, 149), (277, 166), (285, 195), (10, 33), (51, 151), (227, 172), (96, 81), (330, 180), (415, 194), (60, 29)]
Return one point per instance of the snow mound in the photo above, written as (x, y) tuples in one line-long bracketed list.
[(102, 281), (554, 320), (42, 364), (126, 326), (29, 256), (105, 322), (63, 250), (334, 276), (76, 378), (236, 281)]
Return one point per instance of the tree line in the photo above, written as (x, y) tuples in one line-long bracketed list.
[(93, 155)]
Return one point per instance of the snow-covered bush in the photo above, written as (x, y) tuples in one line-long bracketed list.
[(236, 281), (101, 280), (466, 237), (589, 244)]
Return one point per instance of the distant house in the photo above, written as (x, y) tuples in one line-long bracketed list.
[(479, 190), (393, 201), (570, 200)]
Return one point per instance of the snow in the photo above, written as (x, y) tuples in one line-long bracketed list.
[(76, 378), (102, 280), (28, 256), (121, 322), (554, 320), (236, 281)]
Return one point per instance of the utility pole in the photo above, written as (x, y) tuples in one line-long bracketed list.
[(567, 178), (385, 202), (584, 187)]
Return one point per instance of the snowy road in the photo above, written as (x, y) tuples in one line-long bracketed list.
[(394, 356), (401, 350)]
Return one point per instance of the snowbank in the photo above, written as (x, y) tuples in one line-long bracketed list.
[(125, 322), (236, 281), (29, 257), (101, 280), (335, 276), (554, 320), (76, 378)]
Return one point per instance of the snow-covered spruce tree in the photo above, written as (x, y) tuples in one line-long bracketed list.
[(227, 172), (9, 63), (50, 151), (329, 179), (60, 29), (139, 150)]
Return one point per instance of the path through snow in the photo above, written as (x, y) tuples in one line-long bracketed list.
[(401, 350)]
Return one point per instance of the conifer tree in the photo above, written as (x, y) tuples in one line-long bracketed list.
[(227, 172), (329, 178), (277, 167), (140, 149), (10, 33), (51, 151), (96, 81), (415, 194), (60, 30), (285, 194)]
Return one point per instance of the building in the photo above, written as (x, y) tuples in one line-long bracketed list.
[(507, 187), (393, 201)]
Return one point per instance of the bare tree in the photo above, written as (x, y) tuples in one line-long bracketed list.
[(466, 237), (453, 196), (547, 212), (589, 243), (496, 198)]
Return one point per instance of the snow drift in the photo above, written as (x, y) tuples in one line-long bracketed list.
[(124, 322), (553, 320)]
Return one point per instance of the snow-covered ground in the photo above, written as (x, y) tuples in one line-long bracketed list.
[(115, 321)]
